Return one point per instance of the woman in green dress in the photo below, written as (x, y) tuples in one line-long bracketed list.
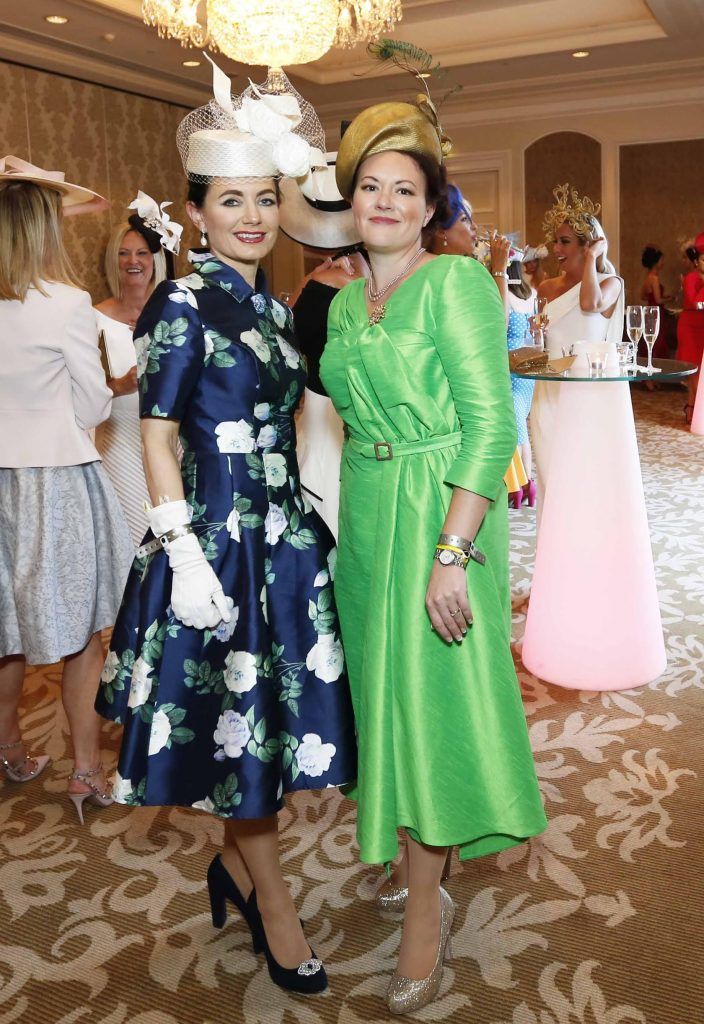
[(416, 366)]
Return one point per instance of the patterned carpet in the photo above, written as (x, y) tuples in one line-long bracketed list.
[(596, 922)]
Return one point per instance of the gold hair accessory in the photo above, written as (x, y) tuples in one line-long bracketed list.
[(580, 213)]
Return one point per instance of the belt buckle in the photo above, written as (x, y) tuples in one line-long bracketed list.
[(378, 445)]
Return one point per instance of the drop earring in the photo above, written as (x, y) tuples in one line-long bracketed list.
[(444, 241), (203, 239)]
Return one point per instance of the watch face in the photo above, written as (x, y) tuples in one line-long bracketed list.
[(446, 557)]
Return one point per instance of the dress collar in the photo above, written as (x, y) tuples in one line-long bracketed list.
[(215, 272)]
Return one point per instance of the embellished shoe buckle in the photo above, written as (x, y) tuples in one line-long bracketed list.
[(310, 967)]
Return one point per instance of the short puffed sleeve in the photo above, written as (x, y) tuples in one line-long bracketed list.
[(170, 349)]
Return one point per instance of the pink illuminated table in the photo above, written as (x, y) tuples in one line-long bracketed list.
[(593, 617)]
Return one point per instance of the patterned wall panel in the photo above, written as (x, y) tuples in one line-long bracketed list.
[(14, 136), (553, 160), (67, 132), (660, 196)]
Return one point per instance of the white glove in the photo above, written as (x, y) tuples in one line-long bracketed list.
[(197, 597)]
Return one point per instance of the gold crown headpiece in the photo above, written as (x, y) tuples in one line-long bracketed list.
[(580, 213)]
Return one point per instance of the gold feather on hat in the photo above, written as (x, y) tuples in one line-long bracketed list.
[(421, 64)]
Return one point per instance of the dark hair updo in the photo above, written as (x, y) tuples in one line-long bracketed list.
[(650, 256)]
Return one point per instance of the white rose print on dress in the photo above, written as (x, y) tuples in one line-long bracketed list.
[(233, 524), (204, 805), (240, 671), (289, 353), (266, 438), (279, 313), (275, 469), (224, 631), (313, 757), (326, 659), (141, 349), (121, 789), (231, 734), (254, 340), (160, 733), (141, 684), (262, 411), (112, 663), (274, 524), (235, 436)]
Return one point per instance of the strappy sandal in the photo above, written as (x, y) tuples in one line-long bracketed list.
[(26, 769), (94, 794)]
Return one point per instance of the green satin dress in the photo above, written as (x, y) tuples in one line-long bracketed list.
[(443, 742)]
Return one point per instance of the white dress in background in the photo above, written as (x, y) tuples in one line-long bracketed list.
[(118, 438), (569, 325)]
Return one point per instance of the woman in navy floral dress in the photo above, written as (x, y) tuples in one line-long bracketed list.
[(229, 703)]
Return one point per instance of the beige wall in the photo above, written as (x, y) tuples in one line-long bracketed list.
[(110, 141), (555, 159), (661, 202)]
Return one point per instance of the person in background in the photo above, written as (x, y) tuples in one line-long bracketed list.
[(690, 328), (652, 294), (416, 365), (533, 270), (135, 263), (521, 303), (585, 304), (65, 548), (314, 214)]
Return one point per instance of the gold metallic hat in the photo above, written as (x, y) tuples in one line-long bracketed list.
[(403, 127)]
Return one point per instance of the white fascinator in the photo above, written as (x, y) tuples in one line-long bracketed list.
[(269, 131)]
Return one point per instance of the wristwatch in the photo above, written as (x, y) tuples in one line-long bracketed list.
[(447, 556)]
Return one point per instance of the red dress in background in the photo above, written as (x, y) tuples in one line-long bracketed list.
[(690, 329), (647, 297)]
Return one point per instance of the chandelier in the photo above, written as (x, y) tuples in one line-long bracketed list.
[(272, 32)]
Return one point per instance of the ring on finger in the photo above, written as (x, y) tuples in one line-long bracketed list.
[(456, 612)]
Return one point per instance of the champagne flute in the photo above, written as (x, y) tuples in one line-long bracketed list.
[(651, 326), (634, 328), (542, 317)]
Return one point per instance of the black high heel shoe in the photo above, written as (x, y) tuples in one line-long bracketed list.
[(308, 978), (221, 888)]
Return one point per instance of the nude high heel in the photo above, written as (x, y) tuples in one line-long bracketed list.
[(26, 769), (93, 796)]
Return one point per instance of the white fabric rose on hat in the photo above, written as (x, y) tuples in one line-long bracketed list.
[(291, 154)]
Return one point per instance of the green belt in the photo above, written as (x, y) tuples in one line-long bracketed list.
[(383, 451)]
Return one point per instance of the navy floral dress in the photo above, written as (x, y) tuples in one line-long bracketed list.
[(227, 720)]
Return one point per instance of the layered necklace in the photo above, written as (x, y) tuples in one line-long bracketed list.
[(375, 294)]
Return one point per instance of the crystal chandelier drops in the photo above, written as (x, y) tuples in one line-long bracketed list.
[(362, 21), (272, 32)]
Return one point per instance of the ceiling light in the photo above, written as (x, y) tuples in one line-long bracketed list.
[(191, 63), (272, 32), (55, 19), (581, 53)]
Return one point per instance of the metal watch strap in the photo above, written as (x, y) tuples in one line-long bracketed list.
[(158, 543), (467, 546)]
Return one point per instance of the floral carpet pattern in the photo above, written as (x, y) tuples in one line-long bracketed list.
[(598, 921)]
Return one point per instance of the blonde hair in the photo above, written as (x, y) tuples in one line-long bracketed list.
[(112, 265), (31, 246)]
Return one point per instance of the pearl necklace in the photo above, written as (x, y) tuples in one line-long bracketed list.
[(375, 294)]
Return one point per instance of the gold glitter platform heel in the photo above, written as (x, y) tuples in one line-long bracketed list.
[(405, 995)]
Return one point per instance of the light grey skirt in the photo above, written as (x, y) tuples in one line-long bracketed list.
[(65, 551)]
